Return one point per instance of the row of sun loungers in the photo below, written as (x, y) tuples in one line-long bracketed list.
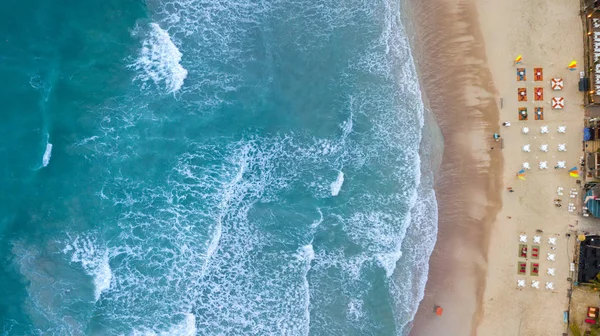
[(538, 74)]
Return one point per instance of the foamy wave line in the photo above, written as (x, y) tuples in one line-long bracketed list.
[(94, 260), (159, 61), (336, 185), (47, 155), (187, 327)]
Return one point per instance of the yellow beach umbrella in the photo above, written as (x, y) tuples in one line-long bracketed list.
[(518, 59), (581, 237), (573, 65), (573, 172)]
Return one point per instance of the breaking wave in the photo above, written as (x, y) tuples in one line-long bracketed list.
[(159, 61)]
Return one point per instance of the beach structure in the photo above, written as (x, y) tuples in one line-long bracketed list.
[(589, 81), (592, 201), (589, 259), (591, 145)]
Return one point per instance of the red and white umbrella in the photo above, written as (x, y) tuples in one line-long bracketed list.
[(557, 84), (558, 102)]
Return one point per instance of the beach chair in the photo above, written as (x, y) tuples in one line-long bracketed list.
[(538, 74), (539, 113), (535, 269), (523, 250), (538, 94), (523, 113), (522, 94), (521, 269), (521, 75), (535, 252)]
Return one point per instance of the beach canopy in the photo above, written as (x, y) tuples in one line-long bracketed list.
[(557, 84), (573, 65), (518, 59), (558, 102), (573, 172), (521, 174)]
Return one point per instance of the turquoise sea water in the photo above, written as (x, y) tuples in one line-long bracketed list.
[(211, 167)]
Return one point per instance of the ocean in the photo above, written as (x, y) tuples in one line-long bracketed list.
[(212, 167)]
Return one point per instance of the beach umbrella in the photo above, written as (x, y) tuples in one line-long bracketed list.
[(573, 172), (581, 237), (521, 174), (518, 59), (573, 65)]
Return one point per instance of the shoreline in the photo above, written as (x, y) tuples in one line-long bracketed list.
[(467, 184), (464, 52)]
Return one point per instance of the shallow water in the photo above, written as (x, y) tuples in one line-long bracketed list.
[(213, 167)]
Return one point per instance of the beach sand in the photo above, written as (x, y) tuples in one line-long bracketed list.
[(465, 51)]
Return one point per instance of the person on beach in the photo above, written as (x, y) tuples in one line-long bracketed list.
[(506, 123), (510, 189)]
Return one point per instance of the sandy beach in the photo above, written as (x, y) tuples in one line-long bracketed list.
[(474, 268)]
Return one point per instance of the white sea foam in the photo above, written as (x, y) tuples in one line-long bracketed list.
[(355, 309), (47, 155), (94, 259), (336, 186), (317, 222), (186, 327), (160, 61)]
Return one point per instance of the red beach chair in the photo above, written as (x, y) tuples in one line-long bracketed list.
[(538, 74), (538, 94), (522, 94)]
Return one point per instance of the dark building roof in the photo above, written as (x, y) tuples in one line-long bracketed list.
[(589, 259)]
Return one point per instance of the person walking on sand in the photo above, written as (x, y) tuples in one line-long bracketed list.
[(510, 189), (506, 123)]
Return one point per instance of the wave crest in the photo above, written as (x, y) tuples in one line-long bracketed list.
[(159, 61)]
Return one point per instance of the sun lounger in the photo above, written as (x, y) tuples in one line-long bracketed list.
[(538, 74), (522, 268), (521, 75), (523, 250), (535, 252), (539, 113), (535, 269), (522, 94), (523, 113), (538, 94)]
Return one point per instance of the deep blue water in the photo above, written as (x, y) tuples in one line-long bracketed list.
[(211, 167)]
